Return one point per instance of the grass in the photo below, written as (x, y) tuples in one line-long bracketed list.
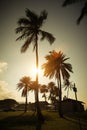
[(28, 121)]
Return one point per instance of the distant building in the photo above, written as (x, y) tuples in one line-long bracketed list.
[(71, 105)]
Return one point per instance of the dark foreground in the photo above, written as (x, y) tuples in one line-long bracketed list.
[(28, 121)]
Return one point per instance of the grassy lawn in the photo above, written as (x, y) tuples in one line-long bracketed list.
[(28, 121)]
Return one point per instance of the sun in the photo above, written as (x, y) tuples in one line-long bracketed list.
[(35, 71)]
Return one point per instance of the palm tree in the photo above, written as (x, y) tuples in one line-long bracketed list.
[(53, 93), (56, 67), (75, 91), (83, 10), (44, 90), (67, 86), (51, 86), (30, 27), (25, 85)]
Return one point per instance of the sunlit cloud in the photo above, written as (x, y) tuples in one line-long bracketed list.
[(4, 91), (3, 66)]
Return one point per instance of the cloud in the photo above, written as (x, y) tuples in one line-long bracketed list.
[(3, 66), (4, 91)]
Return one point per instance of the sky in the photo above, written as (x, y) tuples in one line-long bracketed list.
[(71, 39)]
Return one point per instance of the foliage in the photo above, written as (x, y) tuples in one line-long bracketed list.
[(83, 10)]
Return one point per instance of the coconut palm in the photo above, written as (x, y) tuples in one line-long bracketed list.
[(57, 67), (44, 90), (83, 10), (53, 93), (25, 85), (29, 28), (68, 86), (75, 91)]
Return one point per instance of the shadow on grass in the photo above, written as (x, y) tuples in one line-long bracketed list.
[(82, 125), (19, 121)]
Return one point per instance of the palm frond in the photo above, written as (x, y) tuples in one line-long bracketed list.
[(21, 29), (68, 67), (24, 92), (23, 21), (21, 37), (48, 36), (27, 43), (20, 86), (68, 2), (42, 17), (33, 17), (83, 13)]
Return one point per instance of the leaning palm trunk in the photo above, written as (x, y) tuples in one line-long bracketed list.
[(38, 110)]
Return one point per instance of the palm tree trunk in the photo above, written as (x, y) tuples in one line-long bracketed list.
[(60, 97), (67, 92), (76, 96), (39, 114), (26, 101)]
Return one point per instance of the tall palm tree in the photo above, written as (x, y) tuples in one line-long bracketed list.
[(68, 86), (30, 27), (75, 91), (83, 10), (25, 85), (57, 67)]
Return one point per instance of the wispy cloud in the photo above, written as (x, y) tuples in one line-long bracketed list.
[(3, 66)]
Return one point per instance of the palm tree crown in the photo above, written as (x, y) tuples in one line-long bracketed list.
[(30, 26), (56, 64), (26, 85)]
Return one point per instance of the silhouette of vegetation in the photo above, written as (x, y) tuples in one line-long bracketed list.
[(53, 93), (58, 68), (75, 91), (29, 28), (68, 86), (26, 85), (44, 90), (83, 10), (8, 105)]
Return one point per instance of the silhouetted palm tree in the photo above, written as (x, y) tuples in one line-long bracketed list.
[(68, 85), (56, 67), (25, 85), (44, 90), (29, 28), (83, 10), (53, 92), (75, 91)]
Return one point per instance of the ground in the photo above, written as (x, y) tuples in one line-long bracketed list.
[(19, 120)]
